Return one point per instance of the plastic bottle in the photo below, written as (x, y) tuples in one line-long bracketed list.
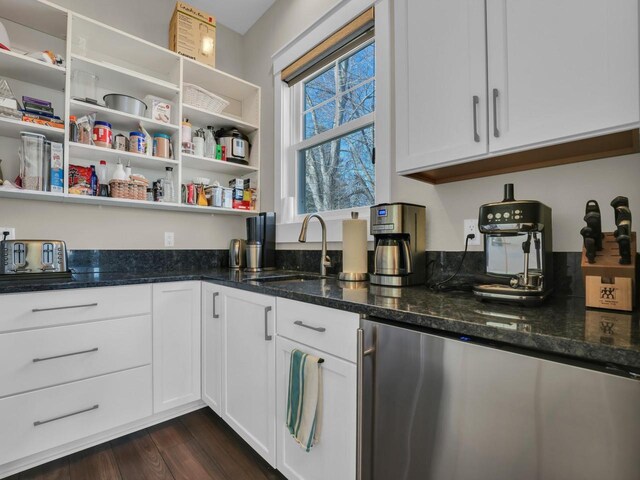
[(209, 143), (73, 129), (169, 194), (102, 179), (127, 170), (94, 181)]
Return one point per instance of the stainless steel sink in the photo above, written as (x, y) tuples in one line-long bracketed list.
[(302, 277)]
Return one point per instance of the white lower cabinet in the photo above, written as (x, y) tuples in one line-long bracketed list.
[(212, 346), (248, 368), (176, 344), (36, 421), (334, 457)]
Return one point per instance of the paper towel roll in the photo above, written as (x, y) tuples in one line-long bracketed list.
[(354, 245)]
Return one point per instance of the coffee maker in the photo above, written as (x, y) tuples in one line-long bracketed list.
[(261, 242), (517, 247), (399, 233)]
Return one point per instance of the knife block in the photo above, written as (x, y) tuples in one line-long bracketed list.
[(608, 284)]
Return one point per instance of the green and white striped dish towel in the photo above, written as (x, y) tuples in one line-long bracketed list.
[(304, 405)]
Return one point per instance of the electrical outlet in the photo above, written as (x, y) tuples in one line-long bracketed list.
[(11, 230), (169, 239), (471, 226)]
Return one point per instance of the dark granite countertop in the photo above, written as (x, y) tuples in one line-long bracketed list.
[(561, 326)]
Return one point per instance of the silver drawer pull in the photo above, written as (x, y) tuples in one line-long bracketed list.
[(35, 360), (267, 337), (42, 422), (317, 329), (35, 310), (215, 315)]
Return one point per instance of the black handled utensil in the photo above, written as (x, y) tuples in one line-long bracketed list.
[(624, 245), (619, 201), (592, 206), (594, 222), (623, 221), (589, 244)]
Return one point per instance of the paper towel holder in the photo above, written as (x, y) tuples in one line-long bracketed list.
[(353, 276)]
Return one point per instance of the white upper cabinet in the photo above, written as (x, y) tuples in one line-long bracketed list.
[(561, 69), (441, 103), (544, 72)]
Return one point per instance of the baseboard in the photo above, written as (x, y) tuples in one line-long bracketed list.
[(31, 461)]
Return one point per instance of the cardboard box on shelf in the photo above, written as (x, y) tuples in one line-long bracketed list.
[(192, 33)]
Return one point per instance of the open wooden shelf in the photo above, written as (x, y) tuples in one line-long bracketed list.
[(94, 154), (10, 127), (20, 67)]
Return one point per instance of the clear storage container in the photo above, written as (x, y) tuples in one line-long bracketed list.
[(32, 149)]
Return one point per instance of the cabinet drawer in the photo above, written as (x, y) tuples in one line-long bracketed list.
[(332, 331), (49, 356), (54, 416), (22, 311)]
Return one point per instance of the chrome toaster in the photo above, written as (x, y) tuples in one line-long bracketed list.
[(33, 257)]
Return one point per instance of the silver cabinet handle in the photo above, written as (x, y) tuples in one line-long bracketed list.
[(215, 315), (42, 422), (317, 329), (360, 403), (496, 132), (267, 337), (35, 310), (476, 136), (36, 360)]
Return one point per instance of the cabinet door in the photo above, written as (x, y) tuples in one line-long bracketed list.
[(248, 368), (440, 83), (335, 454), (561, 70), (212, 315), (176, 344)]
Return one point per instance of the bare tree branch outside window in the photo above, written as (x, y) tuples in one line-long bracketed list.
[(339, 173)]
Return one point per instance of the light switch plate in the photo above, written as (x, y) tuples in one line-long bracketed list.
[(169, 239), (11, 230)]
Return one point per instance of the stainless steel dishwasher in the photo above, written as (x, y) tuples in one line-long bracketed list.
[(433, 407)]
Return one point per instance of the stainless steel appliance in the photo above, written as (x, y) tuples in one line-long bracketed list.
[(237, 253), (433, 408), (262, 229), (254, 257), (399, 244), (236, 144), (27, 258), (511, 229)]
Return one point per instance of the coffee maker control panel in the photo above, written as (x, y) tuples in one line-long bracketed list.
[(495, 215)]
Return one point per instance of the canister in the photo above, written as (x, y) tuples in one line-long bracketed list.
[(161, 142), (102, 134), (136, 142)]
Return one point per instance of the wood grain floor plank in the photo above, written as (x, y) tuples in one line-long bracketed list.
[(55, 470), (182, 453), (139, 459), (235, 457), (96, 463)]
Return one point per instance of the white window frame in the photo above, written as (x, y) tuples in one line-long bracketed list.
[(288, 121), (292, 156)]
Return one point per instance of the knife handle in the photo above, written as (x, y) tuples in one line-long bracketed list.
[(619, 201), (595, 224), (592, 206), (624, 245), (590, 248)]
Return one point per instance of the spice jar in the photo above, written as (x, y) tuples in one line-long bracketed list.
[(120, 142), (161, 142), (102, 134), (137, 142)]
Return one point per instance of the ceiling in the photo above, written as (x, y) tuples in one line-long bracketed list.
[(238, 15)]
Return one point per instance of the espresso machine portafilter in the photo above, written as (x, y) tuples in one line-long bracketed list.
[(513, 272)]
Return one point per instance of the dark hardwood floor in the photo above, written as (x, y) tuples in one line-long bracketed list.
[(196, 446)]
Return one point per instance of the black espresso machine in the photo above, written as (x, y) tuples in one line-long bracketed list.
[(517, 247)]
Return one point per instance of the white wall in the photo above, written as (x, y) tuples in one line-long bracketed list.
[(89, 227), (565, 189)]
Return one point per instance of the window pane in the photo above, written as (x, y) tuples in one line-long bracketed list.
[(338, 174), (357, 68), (358, 102), (320, 88), (320, 119)]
